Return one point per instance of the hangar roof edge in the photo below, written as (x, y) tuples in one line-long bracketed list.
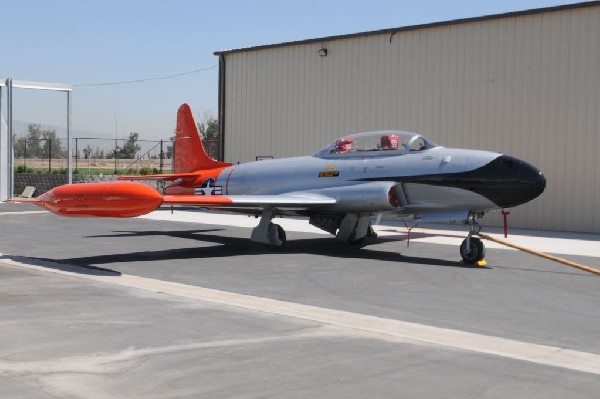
[(416, 27)]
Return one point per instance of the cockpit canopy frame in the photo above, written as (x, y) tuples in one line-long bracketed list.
[(374, 144)]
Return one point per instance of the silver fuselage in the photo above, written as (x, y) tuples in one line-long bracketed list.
[(433, 183)]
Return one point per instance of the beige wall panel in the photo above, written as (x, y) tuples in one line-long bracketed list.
[(527, 85)]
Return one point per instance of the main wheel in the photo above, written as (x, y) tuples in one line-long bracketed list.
[(281, 235), (361, 241), (476, 252), (370, 232)]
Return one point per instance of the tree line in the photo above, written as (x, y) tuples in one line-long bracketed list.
[(38, 143), (43, 143)]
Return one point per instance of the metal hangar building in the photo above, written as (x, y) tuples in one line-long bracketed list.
[(523, 83)]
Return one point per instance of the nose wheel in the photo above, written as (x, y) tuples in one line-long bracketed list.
[(474, 252), (472, 249)]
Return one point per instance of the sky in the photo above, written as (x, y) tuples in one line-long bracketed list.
[(86, 42)]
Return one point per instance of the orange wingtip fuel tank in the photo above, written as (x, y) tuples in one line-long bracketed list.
[(112, 199)]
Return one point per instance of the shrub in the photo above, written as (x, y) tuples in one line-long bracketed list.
[(129, 171), (23, 169)]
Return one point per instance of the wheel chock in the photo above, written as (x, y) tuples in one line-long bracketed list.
[(478, 263)]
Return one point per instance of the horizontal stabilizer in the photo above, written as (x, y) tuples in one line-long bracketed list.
[(166, 176)]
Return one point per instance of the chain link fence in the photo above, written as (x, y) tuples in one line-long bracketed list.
[(97, 156)]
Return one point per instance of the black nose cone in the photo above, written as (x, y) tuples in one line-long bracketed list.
[(521, 182)]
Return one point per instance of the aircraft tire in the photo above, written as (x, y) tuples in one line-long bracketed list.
[(281, 235), (361, 242), (371, 233), (476, 253)]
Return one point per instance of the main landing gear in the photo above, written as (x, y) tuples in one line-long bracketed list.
[(472, 249), (268, 233), (352, 228), (355, 228)]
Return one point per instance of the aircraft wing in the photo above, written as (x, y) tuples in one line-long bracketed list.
[(288, 201)]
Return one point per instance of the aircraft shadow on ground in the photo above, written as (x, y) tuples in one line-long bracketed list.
[(235, 246), (55, 264)]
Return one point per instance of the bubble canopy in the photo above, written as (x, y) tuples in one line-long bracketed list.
[(379, 143)]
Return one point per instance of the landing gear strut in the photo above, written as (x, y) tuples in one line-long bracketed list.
[(472, 249)]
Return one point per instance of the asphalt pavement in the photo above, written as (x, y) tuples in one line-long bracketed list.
[(185, 305)]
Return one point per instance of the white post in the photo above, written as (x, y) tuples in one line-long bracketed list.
[(69, 155), (3, 153), (9, 139)]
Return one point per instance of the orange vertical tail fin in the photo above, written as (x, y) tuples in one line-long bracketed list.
[(189, 154)]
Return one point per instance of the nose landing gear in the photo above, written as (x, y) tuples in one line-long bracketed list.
[(472, 249)]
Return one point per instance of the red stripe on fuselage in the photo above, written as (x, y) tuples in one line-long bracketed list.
[(228, 177)]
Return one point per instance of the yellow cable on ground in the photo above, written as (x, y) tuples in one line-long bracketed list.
[(542, 254)]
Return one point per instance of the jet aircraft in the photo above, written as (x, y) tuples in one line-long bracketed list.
[(340, 188)]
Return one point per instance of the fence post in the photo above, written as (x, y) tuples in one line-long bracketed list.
[(76, 155), (25, 157), (49, 141), (162, 156)]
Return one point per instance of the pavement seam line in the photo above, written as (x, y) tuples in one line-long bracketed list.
[(456, 339), (21, 213)]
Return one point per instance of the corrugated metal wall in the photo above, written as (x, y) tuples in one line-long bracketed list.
[(528, 86)]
